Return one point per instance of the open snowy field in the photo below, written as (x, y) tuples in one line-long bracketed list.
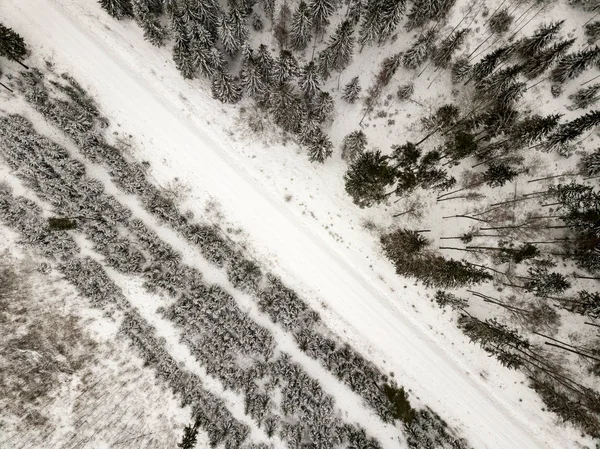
[(292, 218)]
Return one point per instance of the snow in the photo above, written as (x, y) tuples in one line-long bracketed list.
[(184, 133)]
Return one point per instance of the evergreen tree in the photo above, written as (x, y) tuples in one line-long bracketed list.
[(182, 55), (153, 30), (322, 106), (287, 108), (320, 11), (354, 11), (352, 90), (250, 78), (301, 27), (353, 146), (498, 174), (561, 139), (585, 97), (189, 438), (119, 9), (592, 31), (534, 128), (369, 28), (573, 65), (266, 63), (489, 62), (461, 70), (420, 50), (201, 12), (542, 37), (590, 164), (501, 21), (379, 20), (227, 35), (338, 52), (367, 178), (12, 46), (320, 147), (269, 8), (544, 283), (389, 67), (286, 67), (538, 63), (309, 80), (423, 11), (443, 52), (257, 23), (237, 20), (405, 91), (225, 88), (462, 145)]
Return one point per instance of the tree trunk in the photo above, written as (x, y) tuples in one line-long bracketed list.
[(6, 87)]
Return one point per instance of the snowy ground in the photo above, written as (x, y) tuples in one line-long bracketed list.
[(314, 240)]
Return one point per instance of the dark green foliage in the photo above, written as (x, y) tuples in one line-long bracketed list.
[(285, 67), (149, 22), (423, 11), (302, 24), (489, 62), (379, 20), (320, 11), (353, 146), (585, 97), (444, 299), (407, 251), (309, 81), (224, 88), (524, 252), (389, 66), (352, 90), (12, 46), (119, 9), (367, 178), (534, 128), (463, 145), (498, 174), (257, 23), (405, 91), (587, 304), (574, 64), (561, 139), (500, 22), (461, 70), (420, 50), (542, 37), (61, 224), (544, 283), (188, 441), (250, 78), (227, 35), (495, 338), (590, 164), (592, 31), (338, 53), (281, 30), (444, 117), (536, 64), (398, 402), (443, 52), (287, 108), (320, 147)]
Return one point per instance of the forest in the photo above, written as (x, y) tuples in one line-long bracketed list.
[(514, 183)]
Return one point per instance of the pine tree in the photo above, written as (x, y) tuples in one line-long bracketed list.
[(592, 31), (544, 283), (265, 62), (590, 164), (352, 90), (389, 67), (119, 9), (153, 30), (405, 91), (257, 23), (585, 97), (301, 27), (269, 8), (250, 78), (443, 52), (225, 88), (354, 11), (227, 35), (573, 65), (338, 52), (498, 174), (390, 14), (461, 70), (367, 178), (420, 50), (203, 12), (322, 106), (12, 46), (182, 55), (542, 37), (534, 128), (537, 64), (320, 148), (309, 80), (561, 139), (189, 437), (286, 67), (287, 108), (423, 11), (320, 11), (500, 22), (489, 62), (353, 146), (237, 19)]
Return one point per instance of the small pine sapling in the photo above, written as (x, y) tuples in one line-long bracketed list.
[(352, 90), (405, 91), (501, 22), (353, 146)]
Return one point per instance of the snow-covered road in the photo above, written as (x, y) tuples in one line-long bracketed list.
[(440, 378)]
